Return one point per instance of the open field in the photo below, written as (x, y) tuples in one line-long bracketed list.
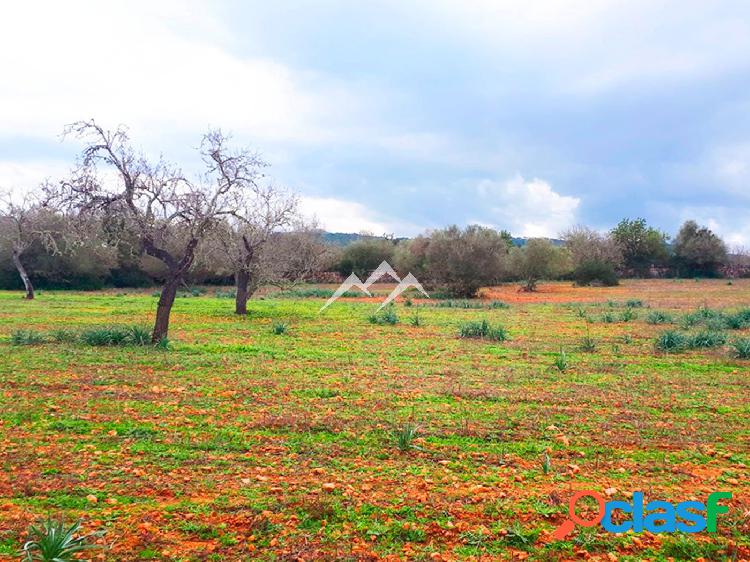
[(242, 444)]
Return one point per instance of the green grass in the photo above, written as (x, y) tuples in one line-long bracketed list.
[(303, 443)]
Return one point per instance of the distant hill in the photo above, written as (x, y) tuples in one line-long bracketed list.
[(344, 238)]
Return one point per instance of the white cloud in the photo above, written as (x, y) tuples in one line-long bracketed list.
[(528, 207), (159, 67), (22, 176), (339, 215), (588, 47)]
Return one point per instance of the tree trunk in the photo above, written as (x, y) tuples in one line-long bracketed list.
[(164, 309), (24, 276), (241, 281)]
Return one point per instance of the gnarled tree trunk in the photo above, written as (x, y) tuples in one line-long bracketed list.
[(24, 276), (164, 309), (241, 282)]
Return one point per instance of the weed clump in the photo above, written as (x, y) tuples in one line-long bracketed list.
[(588, 345), (405, 436), (741, 348), (279, 328), (671, 341), (27, 337), (385, 316), (482, 330), (707, 339), (116, 336), (561, 361), (659, 317)]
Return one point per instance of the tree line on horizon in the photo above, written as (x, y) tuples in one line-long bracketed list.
[(122, 219)]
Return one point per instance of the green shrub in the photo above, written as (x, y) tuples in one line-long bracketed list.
[(608, 318), (634, 303), (627, 315), (659, 317), (588, 345), (279, 328), (595, 272), (671, 341), (386, 315), (482, 330), (741, 348), (116, 335), (415, 320), (64, 336), (52, 541), (707, 339), (228, 294), (26, 337)]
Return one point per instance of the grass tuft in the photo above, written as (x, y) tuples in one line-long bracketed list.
[(482, 330), (26, 337)]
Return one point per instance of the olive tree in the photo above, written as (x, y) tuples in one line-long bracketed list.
[(539, 259), (698, 251), (167, 214)]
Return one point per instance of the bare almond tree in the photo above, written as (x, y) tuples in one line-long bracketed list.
[(19, 229), (242, 238), (168, 214), (299, 255), (24, 221)]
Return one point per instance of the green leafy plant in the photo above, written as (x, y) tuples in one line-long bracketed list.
[(26, 337), (116, 335), (546, 464), (279, 328), (741, 348), (627, 315), (415, 320), (608, 317), (482, 330), (659, 317), (707, 339), (588, 344), (561, 361), (386, 315), (671, 341), (52, 541), (405, 436), (64, 336)]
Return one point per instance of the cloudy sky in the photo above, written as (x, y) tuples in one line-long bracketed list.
[(399, 116)]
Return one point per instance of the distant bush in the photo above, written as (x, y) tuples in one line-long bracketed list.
[(595, 272), (483, 330), (26, 337), (469, 304), (228, 294)]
